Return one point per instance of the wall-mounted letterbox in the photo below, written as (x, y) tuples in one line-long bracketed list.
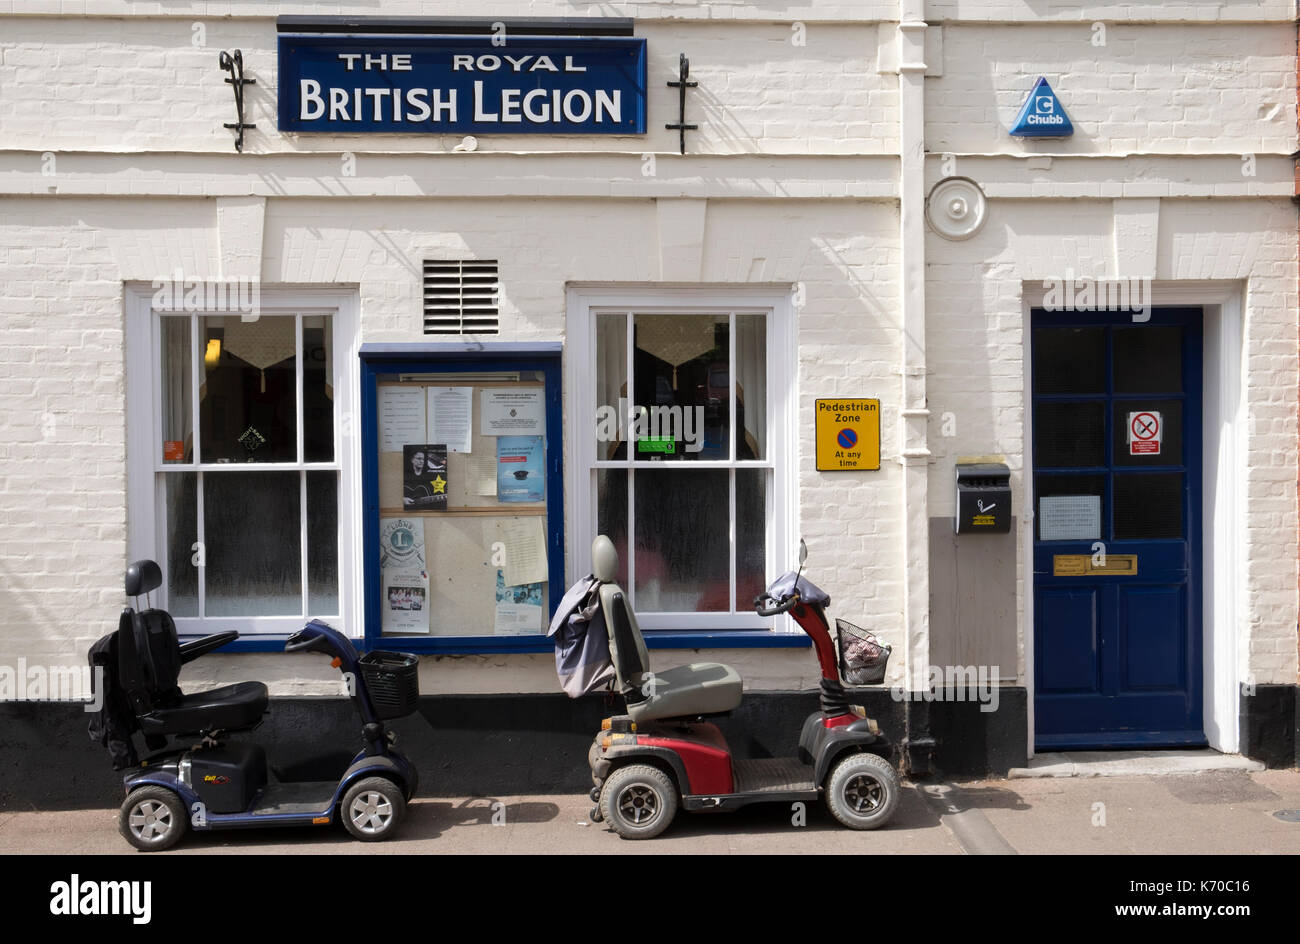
[(983, 498)]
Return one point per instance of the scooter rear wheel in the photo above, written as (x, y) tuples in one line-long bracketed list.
[(862, 791), (152, 819), (638, 801), (372, 809)]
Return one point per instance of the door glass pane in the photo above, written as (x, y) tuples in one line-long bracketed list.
[(1067, 507), (682, 387), (683, 554), (177, 411), (253, 544), (611, 386), (1149, 359), (317, 388), (751, 387), (1148, 432), (1067, 435), (1148, 505), (1069, 360), (322, 543), (751, 536), (182, 535), (247, 404)]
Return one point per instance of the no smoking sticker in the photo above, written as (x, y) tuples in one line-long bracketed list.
[(1144, 432)]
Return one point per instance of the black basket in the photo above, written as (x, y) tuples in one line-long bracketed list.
[(393, 680), (863, 657)]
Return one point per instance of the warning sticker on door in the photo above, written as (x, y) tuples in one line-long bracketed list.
[(1144, 432)]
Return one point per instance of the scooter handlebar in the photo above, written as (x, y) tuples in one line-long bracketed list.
[(782, 606)]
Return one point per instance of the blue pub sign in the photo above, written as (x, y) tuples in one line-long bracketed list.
[(462, 84)]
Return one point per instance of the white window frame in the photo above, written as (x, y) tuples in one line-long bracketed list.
[(146, 518), (585, 302)]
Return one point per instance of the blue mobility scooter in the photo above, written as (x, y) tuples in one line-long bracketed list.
[(207, 782)]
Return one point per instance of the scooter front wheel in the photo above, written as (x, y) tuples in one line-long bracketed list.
[(638, 801), (372, 809), (862, 791), (152, 819)]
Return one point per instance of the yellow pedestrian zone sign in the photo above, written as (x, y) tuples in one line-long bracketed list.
[(848, 435)]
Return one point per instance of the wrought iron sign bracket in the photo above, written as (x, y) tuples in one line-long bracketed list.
[(234, 64), (681, 127)]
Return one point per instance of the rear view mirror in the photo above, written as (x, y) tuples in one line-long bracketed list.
[(803, 552)]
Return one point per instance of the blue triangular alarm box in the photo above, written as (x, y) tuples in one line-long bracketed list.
[(1042, 115)]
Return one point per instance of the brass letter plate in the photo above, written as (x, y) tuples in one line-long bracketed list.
[(1081, 565)]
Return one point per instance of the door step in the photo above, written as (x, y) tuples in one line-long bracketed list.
[(1130, 763)]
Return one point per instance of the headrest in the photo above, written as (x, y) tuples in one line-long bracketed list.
[(604, 559), (142, 577)]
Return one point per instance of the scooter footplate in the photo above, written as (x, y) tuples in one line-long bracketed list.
[(278, 799), (772, 775)]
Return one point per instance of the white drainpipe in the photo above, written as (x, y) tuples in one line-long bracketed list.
[(914, 413)]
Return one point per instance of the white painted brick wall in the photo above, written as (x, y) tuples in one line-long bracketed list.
[(140, 84), (1217, 88)]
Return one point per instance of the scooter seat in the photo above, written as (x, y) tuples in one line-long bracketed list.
[(228, 708), (701, 688)]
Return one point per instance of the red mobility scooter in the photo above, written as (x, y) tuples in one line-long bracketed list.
[(663, 754)]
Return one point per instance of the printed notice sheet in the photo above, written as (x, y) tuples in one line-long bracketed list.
[(401, 417), (449, 417), (1069, 518), (513, 411), (519, 609), (404, 576), (525, 541)]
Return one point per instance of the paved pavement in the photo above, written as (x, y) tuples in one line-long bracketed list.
[(1219, 812)]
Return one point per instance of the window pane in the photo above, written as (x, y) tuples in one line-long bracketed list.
[(1077, 512), (1166, 416), (247, 405), (182, 534), (1149, 360), (751, 536), (1148, 506), (683, 557), (751, 387), (1069, 360), (611, 513), (611, 386), (1069, 434), (253, 545), (177, 412), (682, 386), (318, 388), (322, 543)]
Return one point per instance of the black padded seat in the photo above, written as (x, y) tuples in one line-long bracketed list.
[(228, 708)]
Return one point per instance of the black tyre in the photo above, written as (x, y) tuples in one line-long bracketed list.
[(372, 809), (593, 755), (862, 791), (152, 819), (638, 801)]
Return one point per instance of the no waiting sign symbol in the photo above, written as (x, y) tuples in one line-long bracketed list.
[(1144, 433)]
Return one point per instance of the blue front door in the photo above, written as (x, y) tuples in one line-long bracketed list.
[(1117, 536)]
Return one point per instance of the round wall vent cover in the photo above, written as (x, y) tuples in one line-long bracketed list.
[(956, 208)]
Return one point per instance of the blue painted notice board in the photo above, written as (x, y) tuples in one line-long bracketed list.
[(462, 84)]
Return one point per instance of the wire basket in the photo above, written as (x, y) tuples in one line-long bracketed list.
[(863, 657), (393, 680)]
